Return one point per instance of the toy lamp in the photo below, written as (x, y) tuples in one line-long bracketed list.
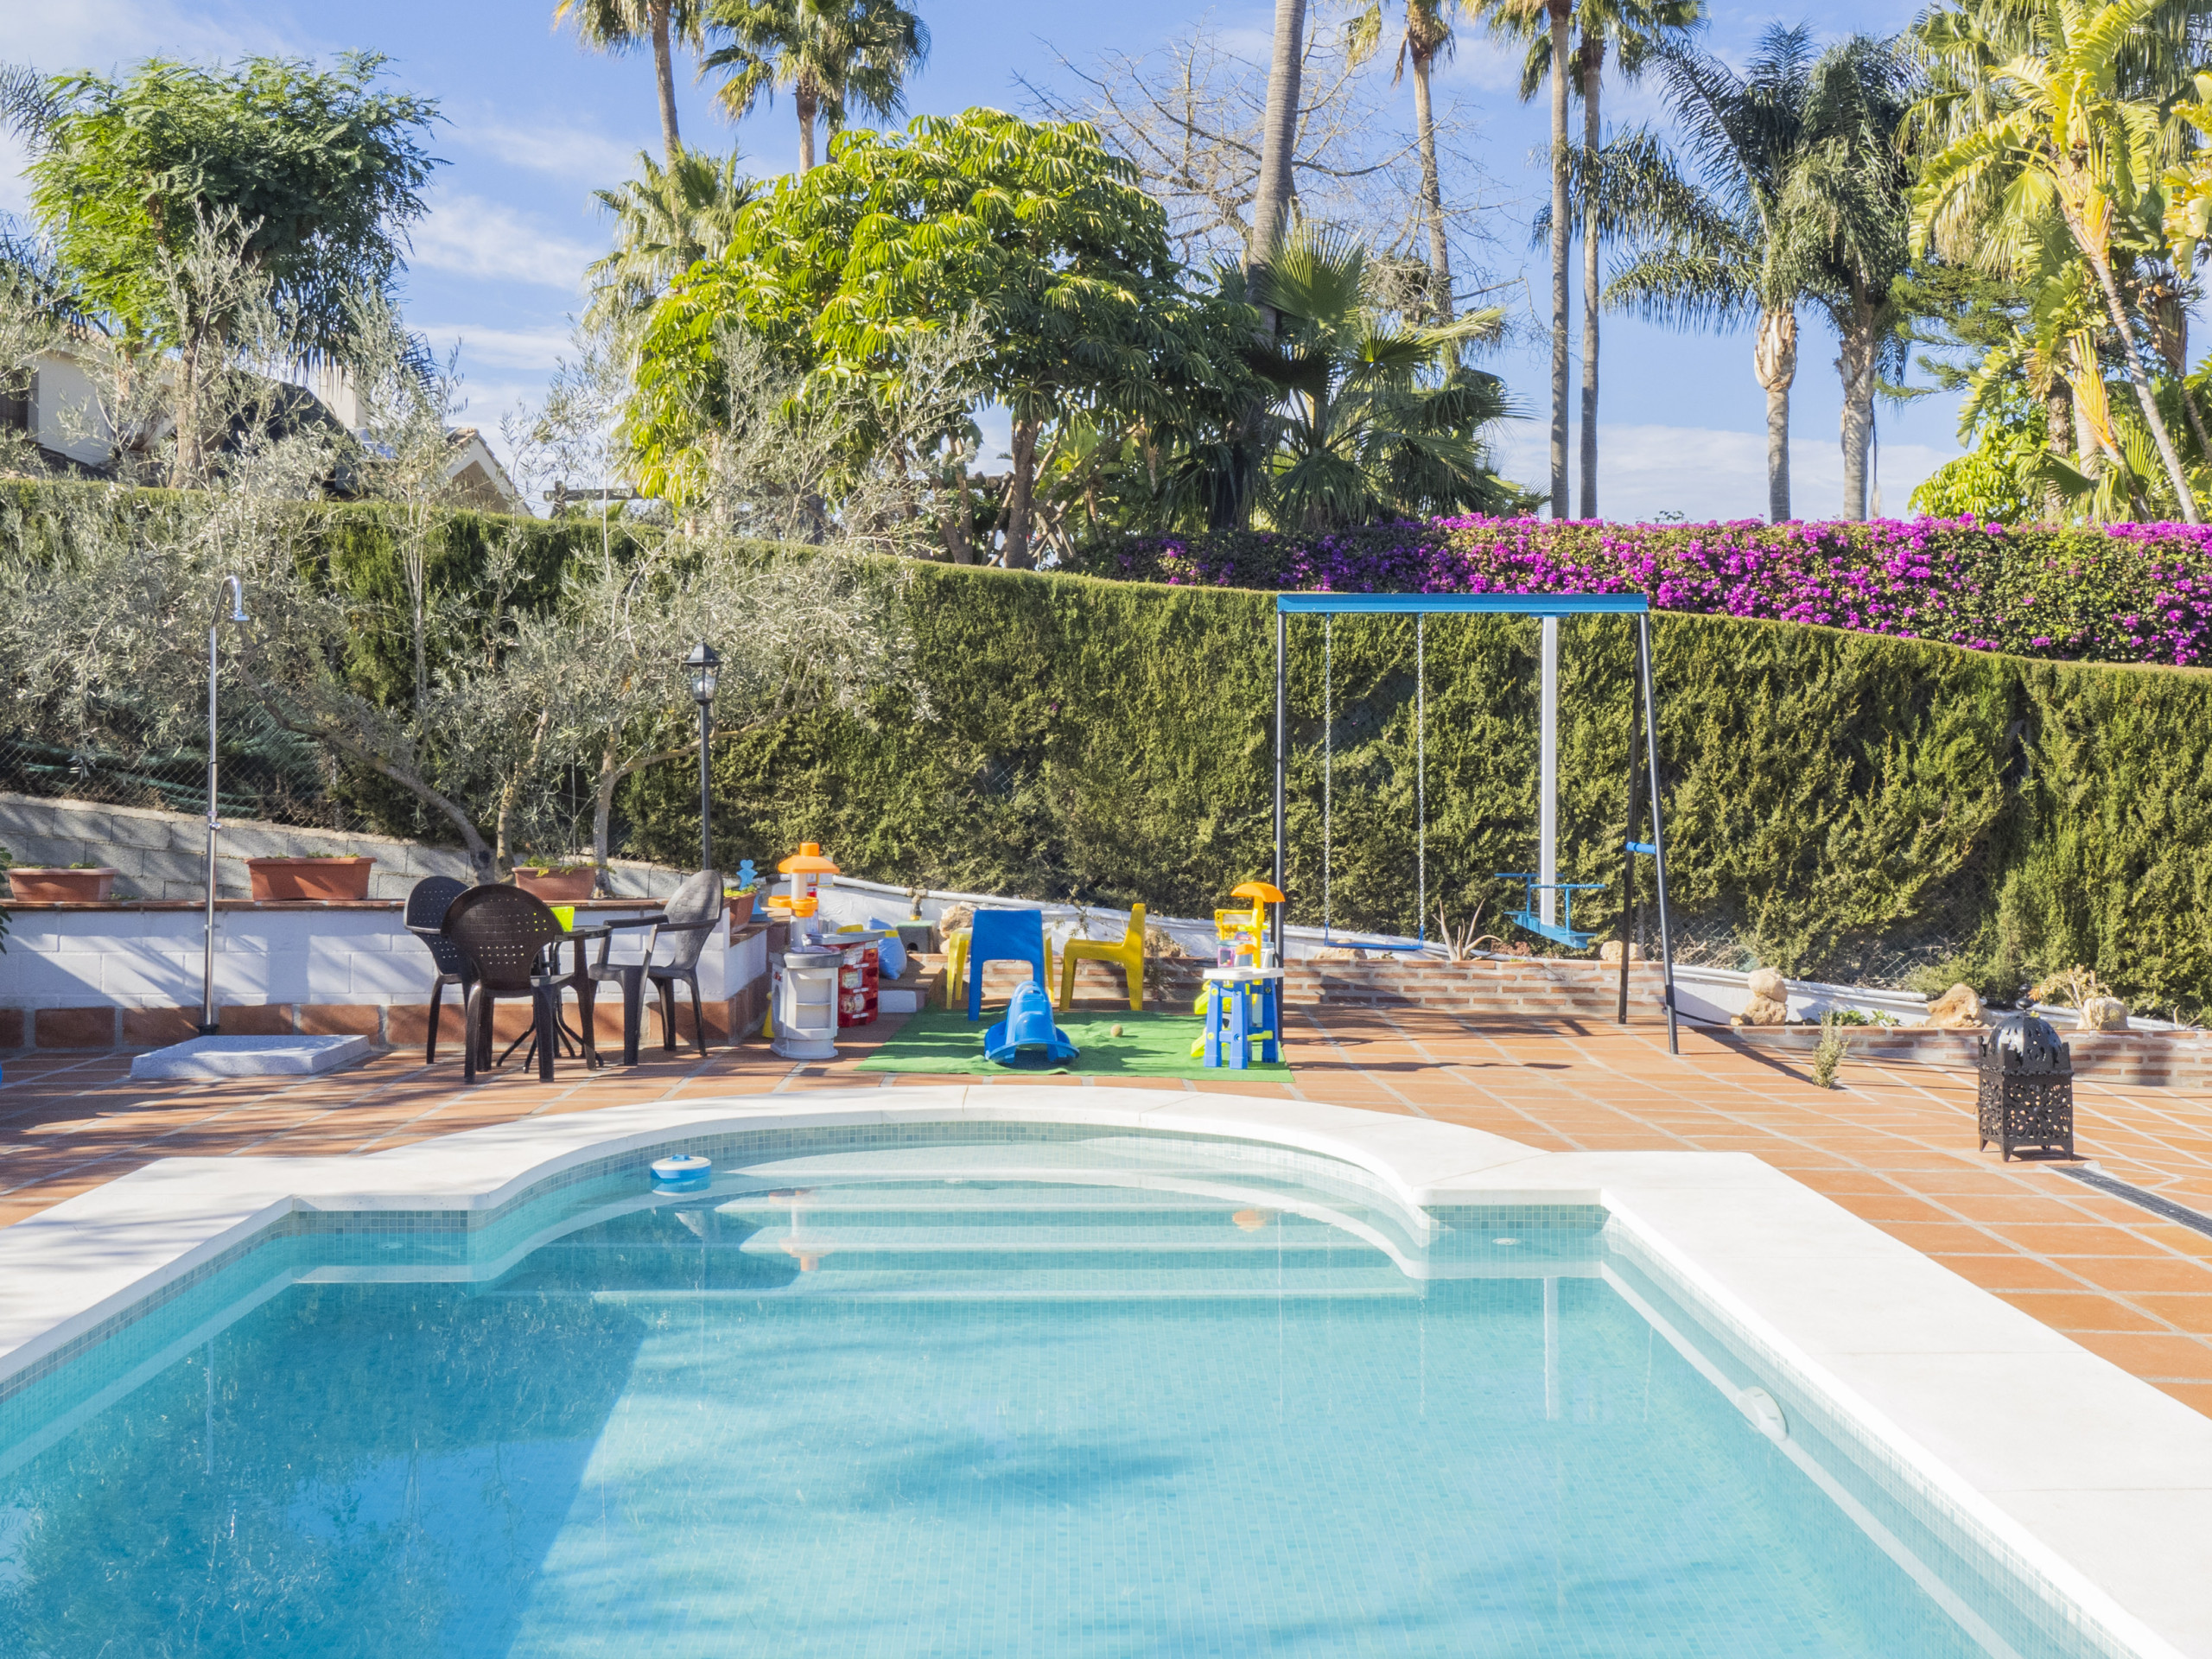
[(1261, 893), (806, 867)]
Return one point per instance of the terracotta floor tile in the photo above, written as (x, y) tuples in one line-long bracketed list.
[(2076, 1311), (2010, 1272), (2090, 1238), (2164, 1274), (2183, 1359)]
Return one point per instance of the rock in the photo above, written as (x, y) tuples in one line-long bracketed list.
[(1610, 952), (2104, 1013), (1955, 1010), (1767, 983), (1762, 1011), (1335, 953), (956, 917)]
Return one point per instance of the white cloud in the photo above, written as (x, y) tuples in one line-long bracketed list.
[(1705, 474), (593, 160), (104, 35), (469, 236), (509, 349)]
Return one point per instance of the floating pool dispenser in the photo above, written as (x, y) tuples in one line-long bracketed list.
[(685, 1173), (1028, 1025)]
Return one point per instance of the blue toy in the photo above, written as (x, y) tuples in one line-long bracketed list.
[(745, 876), (1003, 936), (1028, 1025)]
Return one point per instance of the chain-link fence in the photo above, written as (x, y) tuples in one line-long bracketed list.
[(262, 774)]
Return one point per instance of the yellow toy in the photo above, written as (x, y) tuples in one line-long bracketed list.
[(956, 965), (1251, 943), (1127, 951)]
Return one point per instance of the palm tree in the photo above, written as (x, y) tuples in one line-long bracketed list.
[(835, 55), (1426, 39), (1712, 253), (1376, 417), (1278, 149), (666, 220), (2060, 137), (1515, 19), (1635, 29), (1846, 199), (622, 25)]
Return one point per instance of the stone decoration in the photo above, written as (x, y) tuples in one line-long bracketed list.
[(1770, 1003), (2104, 1013), (1610, 952), (1956, 1010)]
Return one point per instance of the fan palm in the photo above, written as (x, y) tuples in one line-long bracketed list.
[(1376, 417), (836, 56), (623, 25), (2060, 137), (1713, 253), (1635, 30), (666, 220)]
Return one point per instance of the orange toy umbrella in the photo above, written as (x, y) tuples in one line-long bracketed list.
[(808, 861), (1258, 890)]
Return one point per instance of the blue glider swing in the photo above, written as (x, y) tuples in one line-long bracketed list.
[(1536, 914)]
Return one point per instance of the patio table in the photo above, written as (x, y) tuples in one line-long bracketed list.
[(580, 978)]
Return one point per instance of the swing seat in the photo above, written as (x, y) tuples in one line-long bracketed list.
[(1562, 931)]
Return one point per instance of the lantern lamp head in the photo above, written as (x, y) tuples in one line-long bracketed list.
[(701, 666)]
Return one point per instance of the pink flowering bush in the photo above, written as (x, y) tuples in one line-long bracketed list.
[(2123, 592)]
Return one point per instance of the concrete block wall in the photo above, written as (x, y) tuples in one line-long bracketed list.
[(123, 976), (164, 855)]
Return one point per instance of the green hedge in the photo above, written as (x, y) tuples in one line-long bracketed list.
[(1834, 798)]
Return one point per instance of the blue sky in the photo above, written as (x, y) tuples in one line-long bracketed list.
[(534, 124)]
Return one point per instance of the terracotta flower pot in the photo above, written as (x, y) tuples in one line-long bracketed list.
[(555, 887), (309, 878), (32, 885), (739, 909)]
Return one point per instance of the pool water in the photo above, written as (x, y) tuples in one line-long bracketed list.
[(1083, 1401)]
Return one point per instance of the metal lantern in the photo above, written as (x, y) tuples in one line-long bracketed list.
[(702, 667), (2026, 1096)]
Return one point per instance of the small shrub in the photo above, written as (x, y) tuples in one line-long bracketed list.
[(1829, 1055)]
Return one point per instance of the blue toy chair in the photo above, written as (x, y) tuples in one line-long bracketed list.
[(1003, 936)]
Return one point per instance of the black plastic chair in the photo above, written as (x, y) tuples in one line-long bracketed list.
[(693, 911), (427, 904), (505, 934)]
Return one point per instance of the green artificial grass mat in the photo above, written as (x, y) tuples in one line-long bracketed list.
[(1150, 1046)]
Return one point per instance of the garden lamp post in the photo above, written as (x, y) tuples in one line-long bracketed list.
[(701, 666), (208, 1025)]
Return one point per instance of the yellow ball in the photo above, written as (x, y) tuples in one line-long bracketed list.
[(1114, 1031)]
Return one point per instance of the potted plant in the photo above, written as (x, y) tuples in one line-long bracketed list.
[(326, 879), (556, 883), (740, 903), (78, 884)]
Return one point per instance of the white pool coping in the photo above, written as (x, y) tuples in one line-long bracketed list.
[(2092, 1476)]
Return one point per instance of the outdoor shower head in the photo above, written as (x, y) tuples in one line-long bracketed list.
[(237, 600)]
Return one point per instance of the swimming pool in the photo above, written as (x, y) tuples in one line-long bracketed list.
[(964, 1389)]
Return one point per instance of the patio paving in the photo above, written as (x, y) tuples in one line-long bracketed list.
[(1894, 1145)]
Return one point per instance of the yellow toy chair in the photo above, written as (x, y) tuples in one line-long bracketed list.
[(1127, 951), (956, 966)]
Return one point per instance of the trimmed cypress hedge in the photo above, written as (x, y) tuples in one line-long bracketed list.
[(1834, 798)]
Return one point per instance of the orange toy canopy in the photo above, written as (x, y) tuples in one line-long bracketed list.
[(1258, 890), (808, 861)]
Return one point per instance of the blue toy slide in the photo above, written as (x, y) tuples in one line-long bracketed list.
[(1027, 1026)]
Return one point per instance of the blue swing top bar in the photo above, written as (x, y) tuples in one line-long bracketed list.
[(1493, 604)]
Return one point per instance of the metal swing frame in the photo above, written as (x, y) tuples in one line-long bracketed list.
[(1643, 756)]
